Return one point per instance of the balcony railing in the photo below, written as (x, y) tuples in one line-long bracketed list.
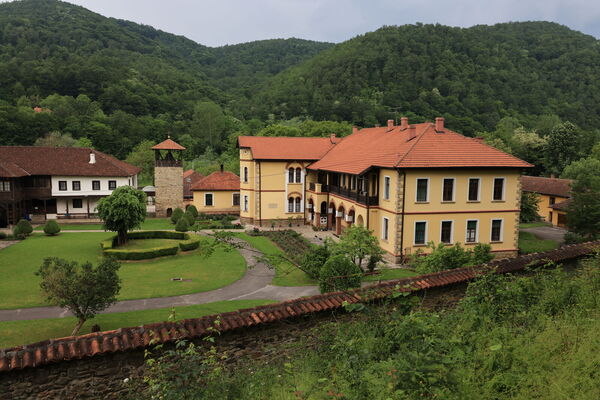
[(318, 187), (360, 197)]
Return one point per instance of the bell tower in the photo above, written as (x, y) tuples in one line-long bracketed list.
[(168, 177)]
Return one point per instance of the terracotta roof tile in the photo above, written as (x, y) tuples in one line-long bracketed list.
[(227, 181), (287, 148), (190, 177), (18, 161), (547, 186), (562, 205), (168, 144)]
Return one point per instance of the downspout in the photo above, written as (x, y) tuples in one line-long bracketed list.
[(259, 194), (368, 202), (304, 197), (402, 224)]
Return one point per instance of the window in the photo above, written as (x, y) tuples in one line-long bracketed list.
[(420, 232), (208, 199), (448, 189), (236, 199), (245, 203), (76, 185), (245, 174), (498, 189), (496, 230), (422, 189), (552, 200), (385, 228), (386, 187), (471, 231), (95, 185), (298, 204), (473, 189), (298, 175), (4, 186), (446, 234), (291, 204), (291, 175), (62, 185), (77, 203), (112, 185)]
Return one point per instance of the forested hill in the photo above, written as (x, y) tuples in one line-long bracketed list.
[(473, 76)]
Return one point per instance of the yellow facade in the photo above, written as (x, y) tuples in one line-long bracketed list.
[(555, 217), (222, 202)]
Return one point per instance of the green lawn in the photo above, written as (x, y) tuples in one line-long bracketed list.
[(529, 243), (19, 287), (286, 274), (148, 225), (148, 244), (15, 333), (533, 224)]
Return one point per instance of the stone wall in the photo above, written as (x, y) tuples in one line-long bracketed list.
[(169, 189)]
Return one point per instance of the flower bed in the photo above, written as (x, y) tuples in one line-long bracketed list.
[(293, 244), (186, 243)]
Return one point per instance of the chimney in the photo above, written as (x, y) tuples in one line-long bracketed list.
[(355, 129), (92, 158), (377, 125), (390, 124), (332, 137), (403, 123), (552, 176), (439, 124), (480, 138), (221, 168), (412, 132)]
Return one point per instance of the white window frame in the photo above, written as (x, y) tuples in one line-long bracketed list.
[(385, 227), (232, 199), (415, 233), (478, 189), (246, 202), (501, 230), (453, 190), (417, 190), (503, 188), (213, 200), (387, 187), (476, 231), (451, 230)]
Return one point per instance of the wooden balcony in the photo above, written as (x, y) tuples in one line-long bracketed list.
[(359, 197)]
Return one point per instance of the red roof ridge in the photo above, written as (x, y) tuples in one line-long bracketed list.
[(417, 140), (492, 147), (168, 144)]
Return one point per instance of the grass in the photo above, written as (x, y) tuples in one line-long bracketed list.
[(148, 244), (529, 243), (148, 225), (390, 273), (19, 287), (15, 333), (286, 273), (525, 225)]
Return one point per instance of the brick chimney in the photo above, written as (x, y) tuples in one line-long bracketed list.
[(92, 158), (221, 168), (412, 132), (403, 123), (332, 138), (390, 124), (439, 124), (355, 129)]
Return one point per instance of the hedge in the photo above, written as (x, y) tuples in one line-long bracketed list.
[(187, 242)]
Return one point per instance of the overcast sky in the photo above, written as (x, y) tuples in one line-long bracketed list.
[(220, 22)]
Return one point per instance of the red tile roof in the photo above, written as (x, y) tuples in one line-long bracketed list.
[(126, 339), (382, 147), (218, 181), (288, 148), (548, 186), (190, 177), (562, 205), (168, 145), (18, 161)]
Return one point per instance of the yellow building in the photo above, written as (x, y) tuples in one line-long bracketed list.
[(409, 184), (555, 196), (218, 193)]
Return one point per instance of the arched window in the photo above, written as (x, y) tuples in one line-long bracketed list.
[(298, 203), (298, 175), (291, 204), (291, 175), (245, 174)]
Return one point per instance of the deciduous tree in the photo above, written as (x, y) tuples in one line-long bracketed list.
[(123, 210)]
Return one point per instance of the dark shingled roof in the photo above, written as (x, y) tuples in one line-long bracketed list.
[(19, 161), (547, 186)]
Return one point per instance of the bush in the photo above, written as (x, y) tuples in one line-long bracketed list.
[(2, 235), (339, 273), (187, 243), (574, 238), (17, 233), (313, 261), (182, 225), (51, 228), (443, 257), (25, 227), (177, 214), (191, 244), (190, 218), (192, 210)]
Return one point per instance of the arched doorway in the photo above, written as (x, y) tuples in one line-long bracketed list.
[(169, 212), (351, 217), (331, 220), (339, 218), (311, 210), (360, 221), (3, 217)]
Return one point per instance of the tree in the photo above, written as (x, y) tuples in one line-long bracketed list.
[(583, 213), (339, 273), (56, 139), (563, 147), (208, 123), (142, 156), (182, 225), (123, 210), (358, 244), (444, 257), (176, 215), (313, 260), (51, 228), (530, 207), (83, 289)]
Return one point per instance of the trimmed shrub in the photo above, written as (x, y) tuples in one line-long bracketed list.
[(575, 238), (182, 225), (187, 243), (177, 214), (17, 233), (192, 210), (189, 217), (122, 254), (339, 273), (51, 228), (191, 244), (3, 235), (313, 261), (25, 227)]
